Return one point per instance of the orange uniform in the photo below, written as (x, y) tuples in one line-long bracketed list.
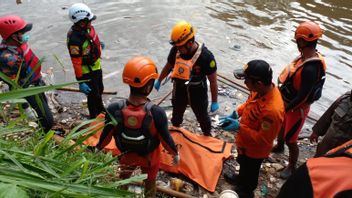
[(260, 123)]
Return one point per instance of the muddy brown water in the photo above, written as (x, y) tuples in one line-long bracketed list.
[(259, 29)]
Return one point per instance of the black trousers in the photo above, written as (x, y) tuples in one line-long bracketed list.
[(94, 98), (40, 105), (248, 176), (197, 97)]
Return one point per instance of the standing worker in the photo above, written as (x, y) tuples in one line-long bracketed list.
[(335, 125), (85, 49), (16, 57), (141, 125), (300, 84), (258, 122), (191, 63)]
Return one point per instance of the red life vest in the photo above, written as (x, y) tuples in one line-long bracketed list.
[(96, 46), (136, 131), (332, 176), (32, 62)]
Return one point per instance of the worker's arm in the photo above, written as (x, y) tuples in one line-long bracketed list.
[(75, 51), (270, 125), (108, 130), (165, 71), (161, 124), (213, 86)]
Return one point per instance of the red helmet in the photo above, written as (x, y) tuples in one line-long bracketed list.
[(309, 31), (10, 24)]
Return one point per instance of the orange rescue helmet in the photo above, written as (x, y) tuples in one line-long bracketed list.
[(138, 71), (309, 31), (181, 33)]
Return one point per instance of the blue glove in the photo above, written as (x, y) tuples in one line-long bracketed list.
[(230, 124), (102, 44), (234, 115), (157, 84), (214, 106), (83, 87)]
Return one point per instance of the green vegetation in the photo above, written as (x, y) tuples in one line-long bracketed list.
[(35, 166)]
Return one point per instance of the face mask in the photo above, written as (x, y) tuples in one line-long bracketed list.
[(25, 38)]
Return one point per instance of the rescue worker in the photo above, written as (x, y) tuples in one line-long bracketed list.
[(300, 84), (326, 176), (335, 125), (16, 57), (258, 122), (190, 64), (141, 125), (85, 49)]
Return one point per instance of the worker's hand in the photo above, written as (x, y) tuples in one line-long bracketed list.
[(234, 115), (157, 84), (214, 106), (176, 159), (84, 88), (230, 124), (313, 137), (102, 44)]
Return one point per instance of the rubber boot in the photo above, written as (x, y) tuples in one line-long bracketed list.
[(149, 188), (280, 146), (292, 160)]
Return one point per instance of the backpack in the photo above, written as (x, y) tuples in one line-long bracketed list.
[(133, 129)]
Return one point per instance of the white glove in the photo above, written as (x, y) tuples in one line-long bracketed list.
[(176, 159)]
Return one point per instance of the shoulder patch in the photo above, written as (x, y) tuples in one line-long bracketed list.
[(212, 64), (265, 125), (74, 49)]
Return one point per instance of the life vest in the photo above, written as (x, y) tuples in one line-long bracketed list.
[(329, 177), (182, 68), (289, 80), (23, 57), (32, 62), (91, 48), (94, 49), (136, 131)]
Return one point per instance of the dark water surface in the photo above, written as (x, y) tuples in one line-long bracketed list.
[(262, 29)]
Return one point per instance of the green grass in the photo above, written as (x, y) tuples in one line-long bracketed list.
[(35, 166)]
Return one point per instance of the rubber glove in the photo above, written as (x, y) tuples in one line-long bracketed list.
[(214, 106), (230, 124), (84, 88), (157, 84), (176, 159), (234, 115), (102, 44)]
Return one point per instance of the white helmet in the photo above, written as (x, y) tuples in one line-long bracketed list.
[(79, 11)]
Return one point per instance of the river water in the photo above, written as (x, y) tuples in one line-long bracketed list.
[(259, 29)]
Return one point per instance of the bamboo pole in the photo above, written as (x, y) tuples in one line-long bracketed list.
[(73, 89), (168, 191)]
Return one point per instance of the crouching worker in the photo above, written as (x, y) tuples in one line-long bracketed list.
[(17, 61), (141, 125), (258, 122)]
